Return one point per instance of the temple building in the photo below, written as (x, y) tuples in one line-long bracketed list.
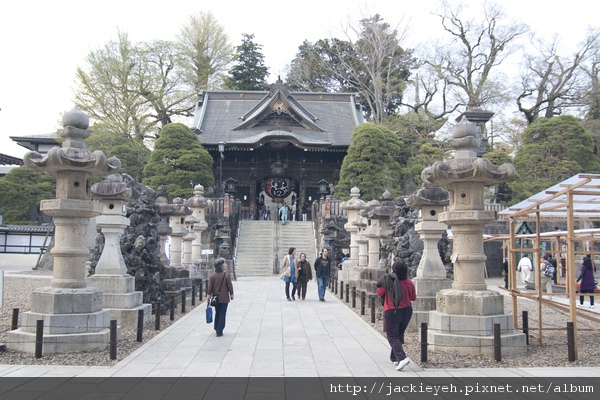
[(277, 146)]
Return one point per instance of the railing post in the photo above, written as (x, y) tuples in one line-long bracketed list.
[(193, 295), (363, 296), (172, 316), (140, 326), (353, 296), (15, 319), (372, 300), (113, 339), (183, 300), (336, 286), (157, 316), (341, 290), (39, 338), (347, 293), (201, 289), (424, 342), (571, 341), (497, 343), (526, 326)]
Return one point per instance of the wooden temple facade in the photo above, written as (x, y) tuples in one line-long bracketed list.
[(278, 146)]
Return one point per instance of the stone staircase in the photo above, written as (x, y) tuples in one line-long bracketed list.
[(256, 245)]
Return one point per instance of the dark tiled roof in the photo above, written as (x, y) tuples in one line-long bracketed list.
[(25, 228), (220, 112)]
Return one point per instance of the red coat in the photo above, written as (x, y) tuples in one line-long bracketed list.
[(409, 294)]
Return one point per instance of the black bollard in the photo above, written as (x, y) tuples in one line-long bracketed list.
[(157, 316), (336, 287), (113, 339), (183, 300), (353, 296), (347, 293), (372, 301), (39, 338), (363, 295), (497, 343), (201, 288), (571, 341), (172, 316), (140, 325), (341, 290), (15, 319), (526, 326), (424, 342), (193, 295)]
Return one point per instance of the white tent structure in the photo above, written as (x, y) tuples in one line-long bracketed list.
[(575, 201)]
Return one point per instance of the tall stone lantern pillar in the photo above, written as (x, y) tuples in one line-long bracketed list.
[(72, 312), (466, 313), (198, 204), (350, 272), (163, 229), (431, 273), (178, 229), (118, 287)]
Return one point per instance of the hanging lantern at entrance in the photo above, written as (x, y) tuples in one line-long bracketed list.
[(278, 188)]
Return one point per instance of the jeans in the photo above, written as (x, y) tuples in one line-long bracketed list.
[(287, 289), (321, 285), (395, 322), (220, 316)]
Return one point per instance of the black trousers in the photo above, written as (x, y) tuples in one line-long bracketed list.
[(302, 283), (220, 317)]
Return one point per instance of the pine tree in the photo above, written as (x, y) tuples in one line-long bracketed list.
[(370, 164), (179, 161), (249, 71)]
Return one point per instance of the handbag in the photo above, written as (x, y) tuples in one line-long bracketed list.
[(209, 315), (214, 298)]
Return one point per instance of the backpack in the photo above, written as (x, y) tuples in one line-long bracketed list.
[(394, 290), (548, 269)]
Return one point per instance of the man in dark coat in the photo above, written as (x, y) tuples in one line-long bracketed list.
[(323, 265)]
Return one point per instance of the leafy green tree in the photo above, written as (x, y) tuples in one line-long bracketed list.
[(20, 190), (249, 71), (178, 161), (205, 51), (553, 150), (411, 171), (370, 163), (132, 153)]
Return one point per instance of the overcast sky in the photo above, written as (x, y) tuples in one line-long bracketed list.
[(43, 42)]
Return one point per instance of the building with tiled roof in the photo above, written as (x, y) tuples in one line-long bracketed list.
[(307, 134)]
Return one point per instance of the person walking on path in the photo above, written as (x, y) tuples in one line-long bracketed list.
[(323, 265), (546, 275), (293, 211), (290, 270), (304, 275), (220, 283), (304, 210), (283, 213), (525, 267), (505, 272), (588, 284), (399, 293)]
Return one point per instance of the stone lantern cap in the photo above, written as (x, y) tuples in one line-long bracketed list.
[(466, 166), (355, 202), (198, 200), (112, 188), (429, 195), (179, 207), (73, 156), (383, 209)]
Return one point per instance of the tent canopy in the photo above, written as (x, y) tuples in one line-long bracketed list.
[(553, 202)]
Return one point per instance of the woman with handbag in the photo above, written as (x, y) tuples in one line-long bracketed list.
[(219, 284), (290, 273)]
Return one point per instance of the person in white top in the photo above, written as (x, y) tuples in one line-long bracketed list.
[(525, 267)]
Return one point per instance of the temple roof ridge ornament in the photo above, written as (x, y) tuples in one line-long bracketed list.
[(279, 100)]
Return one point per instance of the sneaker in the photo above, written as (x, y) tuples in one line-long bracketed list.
[(289, 299), (395, 362), (294, 298), (580, 305), (321, 299), (592, 306), (403, 364)]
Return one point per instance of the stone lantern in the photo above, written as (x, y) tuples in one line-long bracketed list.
[(177, 217), (118, 287), (198, 204), (72, 312), (378, 214), (349, 270), (163, 229), (431, 273), (466, 313)]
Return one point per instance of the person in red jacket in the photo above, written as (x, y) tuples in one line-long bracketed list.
[(397, 317)]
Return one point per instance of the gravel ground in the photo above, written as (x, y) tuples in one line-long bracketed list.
[(553, 352), (17, 292)]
